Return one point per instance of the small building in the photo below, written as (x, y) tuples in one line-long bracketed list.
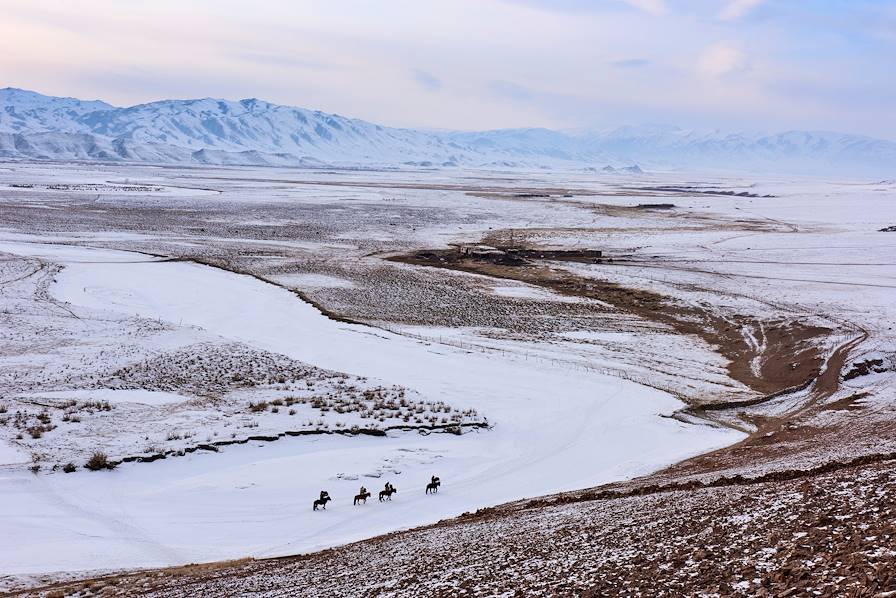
[(480, 251)]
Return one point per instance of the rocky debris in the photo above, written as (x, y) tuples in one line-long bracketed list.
[(865, 367), (655, 206)]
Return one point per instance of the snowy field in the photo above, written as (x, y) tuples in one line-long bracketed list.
[(554, 429), (548, 392)]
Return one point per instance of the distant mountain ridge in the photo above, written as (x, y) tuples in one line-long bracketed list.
[(255, 132)]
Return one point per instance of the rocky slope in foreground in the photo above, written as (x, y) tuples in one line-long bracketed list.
[(825, 534)]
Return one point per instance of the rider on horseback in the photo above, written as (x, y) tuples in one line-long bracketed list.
[(323, 500), (362, 496)]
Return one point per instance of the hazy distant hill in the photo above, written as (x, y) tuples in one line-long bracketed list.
[(256, 132)]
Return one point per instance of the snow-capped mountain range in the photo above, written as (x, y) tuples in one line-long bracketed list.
[(251, 131)]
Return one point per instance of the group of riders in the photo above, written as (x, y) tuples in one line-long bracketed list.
[(385, 494)]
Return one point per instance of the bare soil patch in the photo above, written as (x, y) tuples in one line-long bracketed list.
[(791, 354)]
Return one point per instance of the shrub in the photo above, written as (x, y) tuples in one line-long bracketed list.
[(99, 460), (256, 407), (69, 467)]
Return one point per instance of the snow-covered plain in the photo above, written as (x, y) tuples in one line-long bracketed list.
[(556, 424), (554, 429), (140, 396)]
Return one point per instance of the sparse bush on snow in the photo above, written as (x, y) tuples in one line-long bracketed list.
[(99, 460)]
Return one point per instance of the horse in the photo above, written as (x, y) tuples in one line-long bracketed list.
[(322, 502), (362, 497), (433, 486), (387, 494)]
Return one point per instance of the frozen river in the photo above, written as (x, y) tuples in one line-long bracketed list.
[(555, 428)]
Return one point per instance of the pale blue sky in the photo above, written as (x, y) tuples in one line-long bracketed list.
[(473, 64)]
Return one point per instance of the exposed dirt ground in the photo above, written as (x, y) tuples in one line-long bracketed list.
[(791, 353)]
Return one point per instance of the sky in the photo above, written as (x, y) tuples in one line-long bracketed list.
[(739, 65)]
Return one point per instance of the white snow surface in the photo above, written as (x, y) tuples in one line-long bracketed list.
[(255, 132), (555, 428), (131, 395)]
